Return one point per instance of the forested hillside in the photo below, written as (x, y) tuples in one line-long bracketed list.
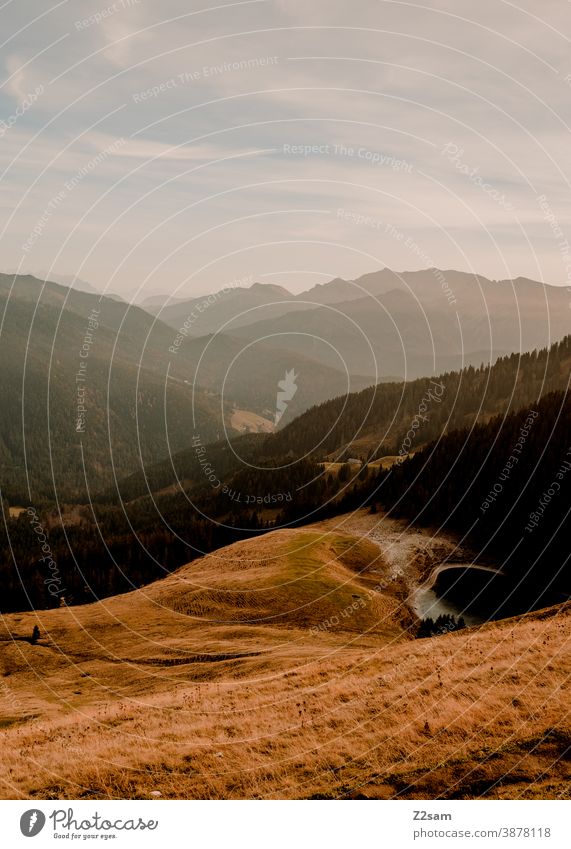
[(101, 550), (505, 485), (85, 394), (377, 421)]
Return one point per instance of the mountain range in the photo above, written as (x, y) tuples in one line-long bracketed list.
[(151, 382), (381, 326)]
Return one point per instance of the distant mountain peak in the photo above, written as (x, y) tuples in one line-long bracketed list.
[(271, 288)]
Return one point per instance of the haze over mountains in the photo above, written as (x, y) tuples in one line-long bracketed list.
[(386, 325), (149, 387)]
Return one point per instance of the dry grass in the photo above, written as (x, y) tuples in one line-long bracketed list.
[(245, 421), (241, 676)]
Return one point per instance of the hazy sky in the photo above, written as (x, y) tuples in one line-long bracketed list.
[(178, 146)]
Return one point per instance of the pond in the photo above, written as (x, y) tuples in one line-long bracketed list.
[(462, 589)]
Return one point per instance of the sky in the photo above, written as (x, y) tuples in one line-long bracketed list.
[(180, 147)]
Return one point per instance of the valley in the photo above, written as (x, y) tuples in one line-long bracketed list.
[(252, 608)]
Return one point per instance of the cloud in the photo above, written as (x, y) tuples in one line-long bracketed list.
[(399, 80), (125, 35), (15, 77)]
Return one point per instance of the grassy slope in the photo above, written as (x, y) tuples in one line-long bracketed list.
[(214, 683)]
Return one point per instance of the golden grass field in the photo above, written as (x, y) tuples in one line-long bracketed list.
[(285, 667)]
